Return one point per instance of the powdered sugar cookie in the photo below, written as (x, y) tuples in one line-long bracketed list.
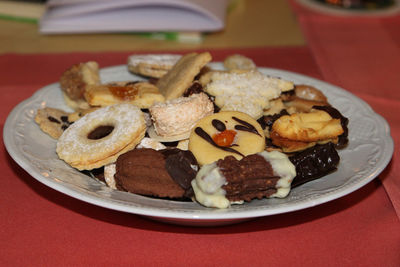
[(98, 138), (249, 92), (152, 65)]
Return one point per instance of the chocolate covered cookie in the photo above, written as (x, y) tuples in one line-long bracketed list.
[(165, 173), (227, 181)]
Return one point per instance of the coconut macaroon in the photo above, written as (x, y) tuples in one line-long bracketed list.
[(178, 116)]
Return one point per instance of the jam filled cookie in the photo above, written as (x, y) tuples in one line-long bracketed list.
[(141, 94), (226, 133), (98, 138)]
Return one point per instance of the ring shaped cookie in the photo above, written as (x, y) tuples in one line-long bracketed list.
[(83, 149), (248, 139)]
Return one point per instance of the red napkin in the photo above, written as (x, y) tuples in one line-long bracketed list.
[(362, 55), (42, 227)]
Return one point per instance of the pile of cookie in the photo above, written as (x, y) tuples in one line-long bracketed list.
[(187, 132)]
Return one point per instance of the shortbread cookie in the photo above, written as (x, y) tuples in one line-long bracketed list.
[(141, 94), (304, 98), (297, 104), (226, 133), (180, 77), (299, 131), (287, 145), (74, 80), (152, 65), (275, 106), (249, 92), (178, 116), (74, 116), (98, 138), (239, 62), (55, 121), (308, 127), (183, 144), (310, 93), (52, 121)]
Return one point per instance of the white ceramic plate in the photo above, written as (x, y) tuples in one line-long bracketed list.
[(369, 151)]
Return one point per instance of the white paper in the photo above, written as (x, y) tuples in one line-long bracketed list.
[(90, 16)]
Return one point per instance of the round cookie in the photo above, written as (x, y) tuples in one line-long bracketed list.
[(226, 133), (99, 137)]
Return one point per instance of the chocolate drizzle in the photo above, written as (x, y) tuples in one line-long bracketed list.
[(203, 134), (245, 126), (219, 125)]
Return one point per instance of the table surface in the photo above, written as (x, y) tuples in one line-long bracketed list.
[(272, 23), (40, 226)]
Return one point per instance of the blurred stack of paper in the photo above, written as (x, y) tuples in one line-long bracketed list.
[(105, 16)]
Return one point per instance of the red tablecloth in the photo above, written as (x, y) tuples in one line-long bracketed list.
[(42, 227), (361, 54)]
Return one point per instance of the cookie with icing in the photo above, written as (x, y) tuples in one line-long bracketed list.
[(225, 133)]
